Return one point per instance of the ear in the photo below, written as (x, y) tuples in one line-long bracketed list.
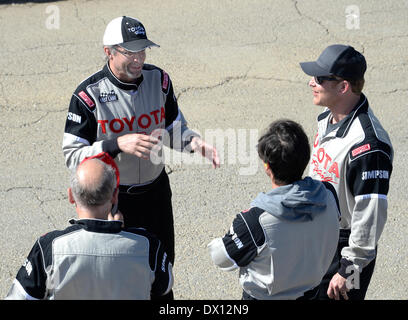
[(269, 172), (267, 169), (108, 52), (344, 86), (70, 196)]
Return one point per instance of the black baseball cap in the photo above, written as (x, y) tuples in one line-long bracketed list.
[(127, 32), (338, 60)]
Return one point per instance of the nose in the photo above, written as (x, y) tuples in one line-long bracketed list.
[(139, 56), (312, 82)]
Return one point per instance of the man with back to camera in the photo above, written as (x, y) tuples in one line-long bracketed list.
[(354, 153), (285, 242), (122, 110), (94, 258)]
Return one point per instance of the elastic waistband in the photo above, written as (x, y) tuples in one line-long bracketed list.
[(137, 189)]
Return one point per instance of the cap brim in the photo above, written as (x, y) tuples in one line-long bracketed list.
[(138, 45), (313, 69)]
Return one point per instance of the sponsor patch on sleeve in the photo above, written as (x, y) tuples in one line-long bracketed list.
[(165, 83), (361, 150), (87, 99)]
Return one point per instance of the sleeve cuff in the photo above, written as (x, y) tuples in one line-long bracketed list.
[(111, 146), (344, 264), (187, 144)]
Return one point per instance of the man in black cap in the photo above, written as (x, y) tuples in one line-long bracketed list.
[(354, 153), (128, 109)]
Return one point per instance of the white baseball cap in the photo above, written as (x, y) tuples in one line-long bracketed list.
[(127, 32)]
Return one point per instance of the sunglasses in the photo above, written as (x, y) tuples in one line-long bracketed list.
[(320, 79), (129, 54)]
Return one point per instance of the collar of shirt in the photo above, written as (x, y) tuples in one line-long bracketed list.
[(340, 129), (98, 225)]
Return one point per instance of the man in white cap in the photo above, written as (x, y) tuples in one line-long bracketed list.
[(128, 109), (354, 153)]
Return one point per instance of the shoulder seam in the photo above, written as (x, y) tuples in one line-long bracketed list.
[(88, 79)]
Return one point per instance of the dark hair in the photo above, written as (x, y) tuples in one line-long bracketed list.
[(285, 148), (356, 85)]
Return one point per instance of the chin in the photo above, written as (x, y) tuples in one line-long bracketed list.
[(134, 75), (316, 101)]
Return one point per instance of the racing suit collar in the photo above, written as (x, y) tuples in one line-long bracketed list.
[(98, 225), (120, 84), (361, 106)]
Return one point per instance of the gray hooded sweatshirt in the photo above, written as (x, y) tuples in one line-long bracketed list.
[(284, 244)]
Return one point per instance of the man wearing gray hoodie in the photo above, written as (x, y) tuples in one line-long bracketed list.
[(284, 243)]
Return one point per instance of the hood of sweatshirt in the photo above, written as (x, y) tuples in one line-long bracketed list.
[(299, 201)]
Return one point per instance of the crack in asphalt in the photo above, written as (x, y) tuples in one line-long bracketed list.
[(302, 15), (320, 24), (34, 190), (179, 95), (183, 91), (34, 122), (229, 79), (220, 84), (394, 91)]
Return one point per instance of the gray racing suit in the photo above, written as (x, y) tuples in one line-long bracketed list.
[(356, 158), (94, 259), (103, 108)]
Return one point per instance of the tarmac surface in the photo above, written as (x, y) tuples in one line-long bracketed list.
[(235, 68)]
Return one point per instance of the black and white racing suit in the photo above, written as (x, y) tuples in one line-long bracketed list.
[(356, 158), (94, 259), (103, 108)]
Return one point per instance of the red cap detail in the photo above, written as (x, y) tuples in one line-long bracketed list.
[(105, 157)]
